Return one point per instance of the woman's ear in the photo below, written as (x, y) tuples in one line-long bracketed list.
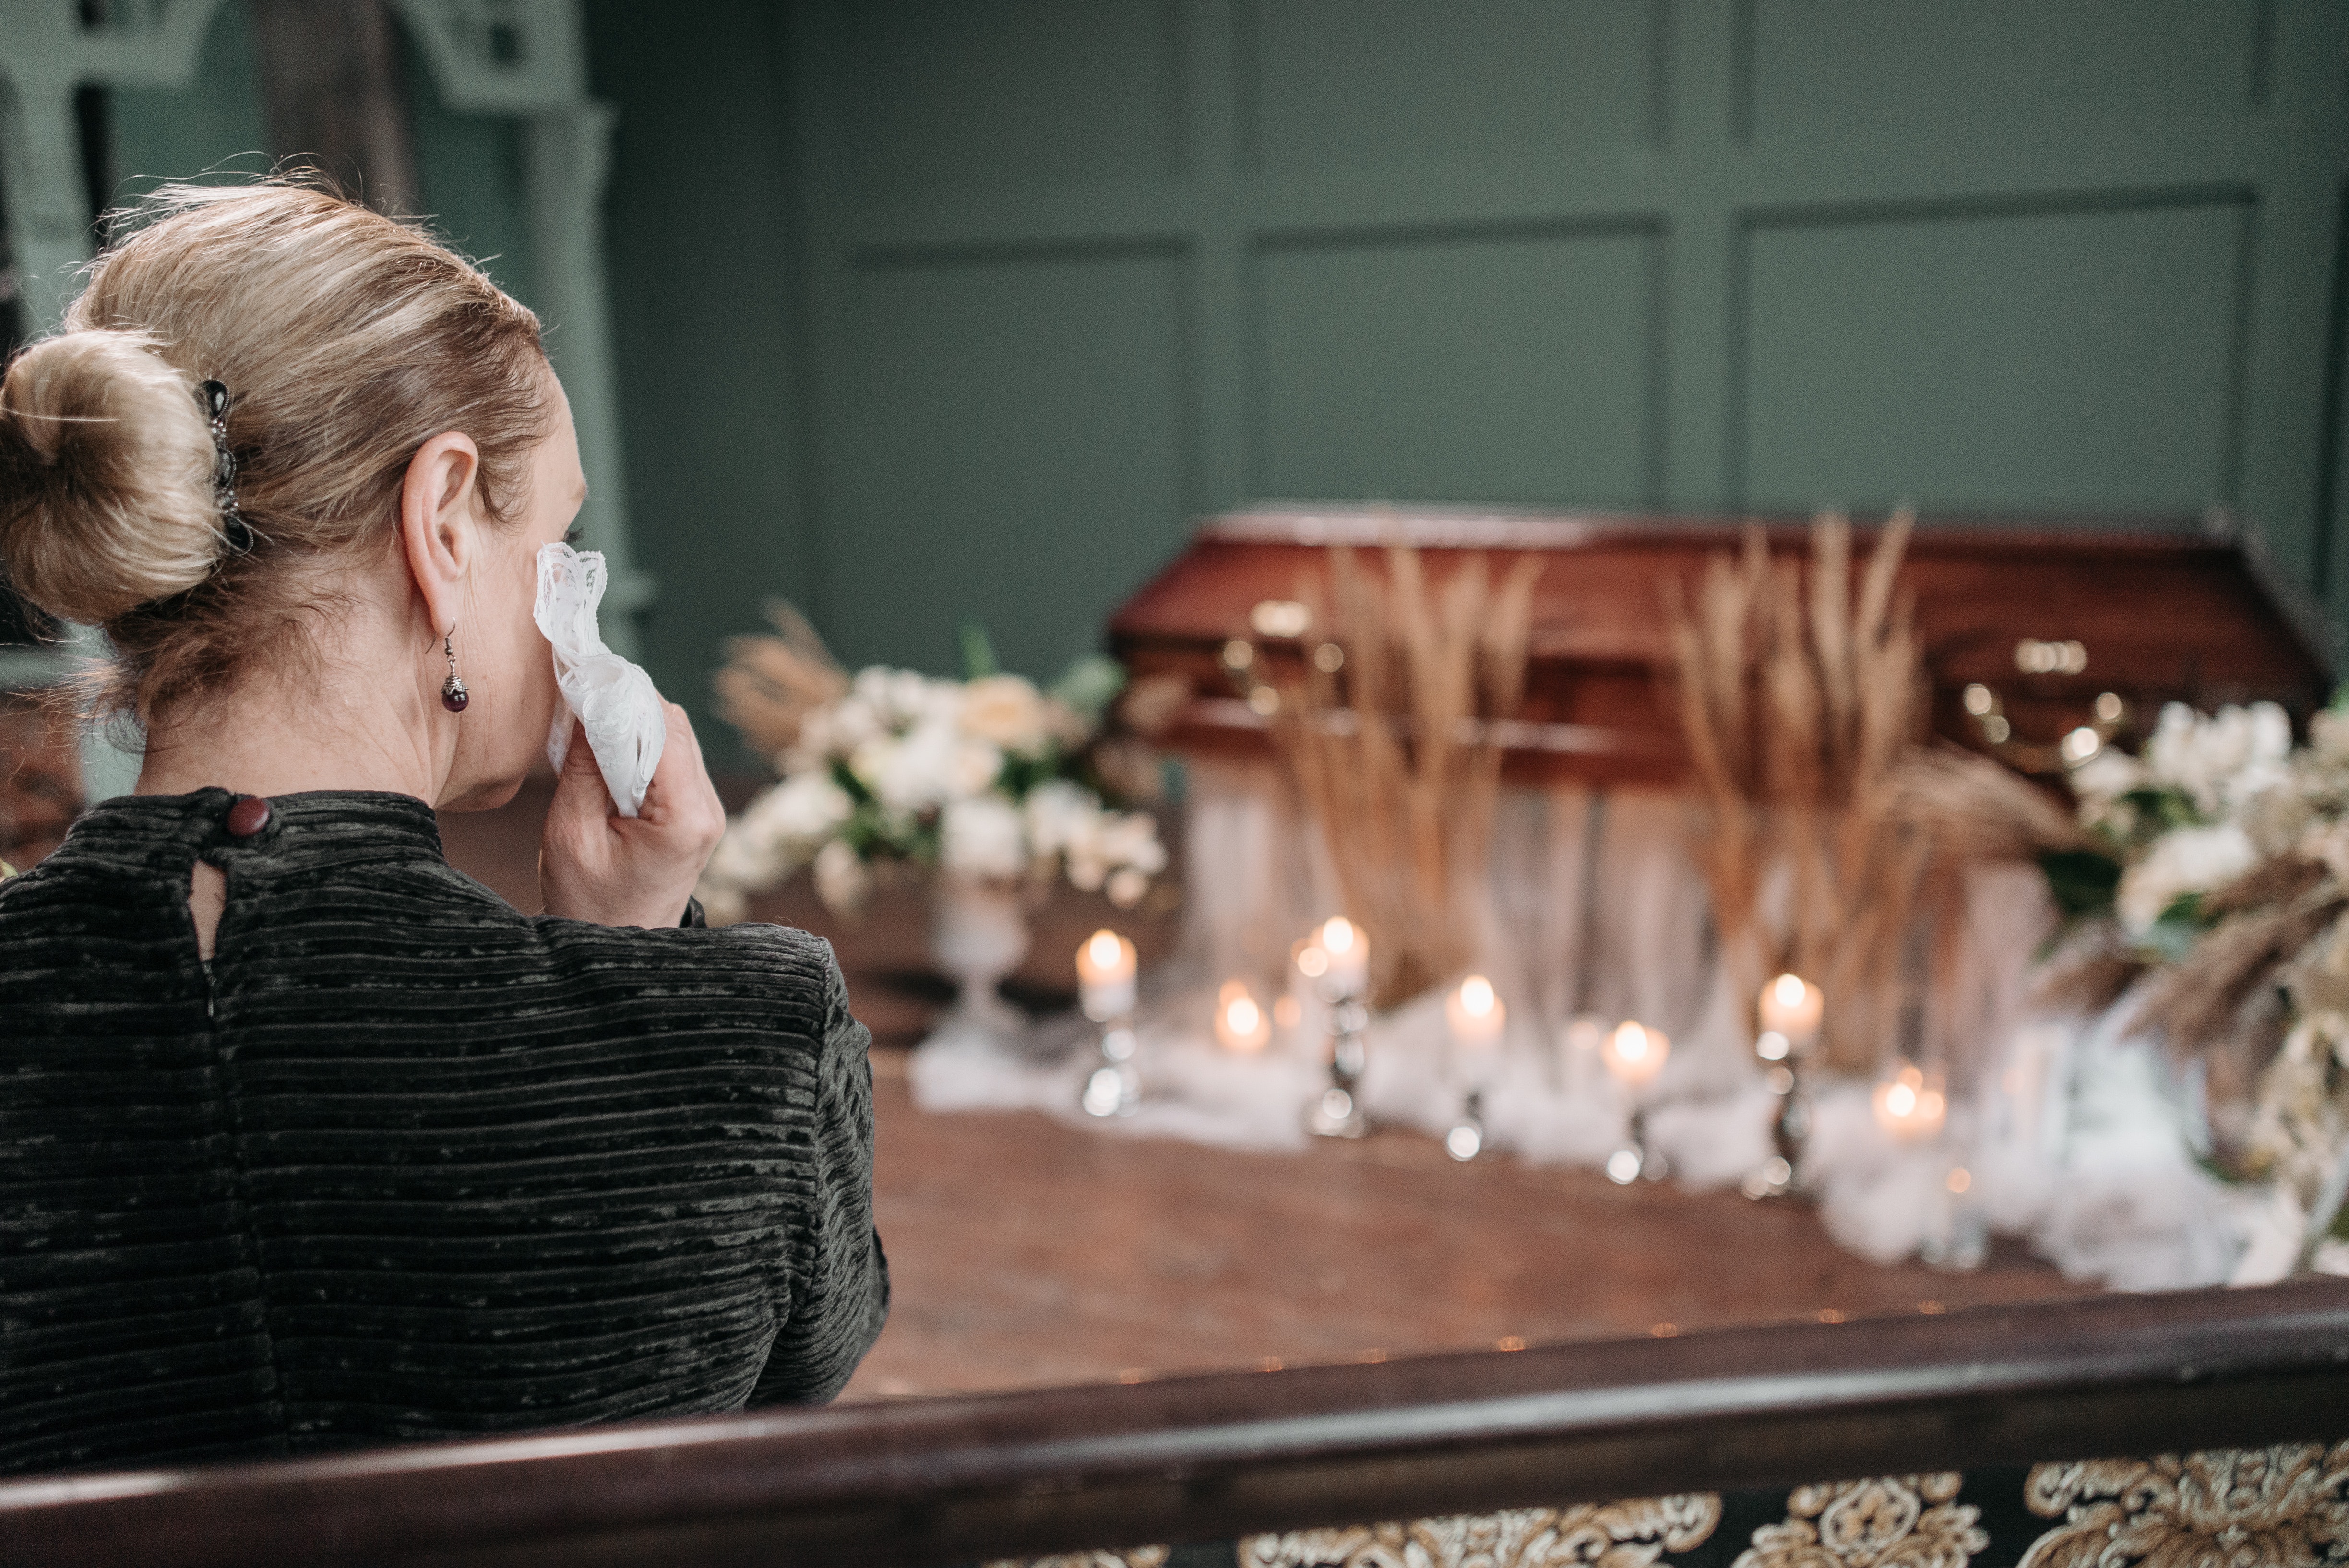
[(440, 521)]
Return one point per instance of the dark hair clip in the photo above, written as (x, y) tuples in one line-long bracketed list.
[(214, 398)]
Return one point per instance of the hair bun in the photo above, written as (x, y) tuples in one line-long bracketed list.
[(106, 476)]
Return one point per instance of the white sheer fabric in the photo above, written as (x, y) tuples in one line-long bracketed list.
[(2067, 1129)]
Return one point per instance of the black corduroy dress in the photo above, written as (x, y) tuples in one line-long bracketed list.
[(399, 1162)]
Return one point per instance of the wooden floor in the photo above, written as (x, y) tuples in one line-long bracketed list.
[(1026, 1252)]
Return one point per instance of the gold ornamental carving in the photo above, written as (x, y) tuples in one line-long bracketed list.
[(2284, 1506), (1890, 1522), (1133, 1557), (1630, 1534)]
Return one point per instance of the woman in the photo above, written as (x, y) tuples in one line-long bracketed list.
[(306, 1139)]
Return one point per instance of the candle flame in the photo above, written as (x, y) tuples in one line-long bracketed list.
[(1339, 936), (1103, 948), (1789, 989), (1909, 1105), (1312, 962), (1476, 996), (1635, 1053), (1239, 1019), (1243, 1015)]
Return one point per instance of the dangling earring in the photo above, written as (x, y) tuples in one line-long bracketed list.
[(453, 696)]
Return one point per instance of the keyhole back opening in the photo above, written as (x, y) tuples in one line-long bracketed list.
[(207, 897)]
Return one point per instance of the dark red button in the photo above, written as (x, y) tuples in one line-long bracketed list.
[(248, 816)]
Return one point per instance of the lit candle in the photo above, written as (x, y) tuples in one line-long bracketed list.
[(1791, 1006), (1105, 970), (1240, 1023), (1347, 948), (1909, 1106), (1635, 1054), (1476, 1013)]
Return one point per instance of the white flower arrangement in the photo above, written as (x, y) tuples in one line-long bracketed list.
[(2224, 872), (983, 778), (2177, 821)]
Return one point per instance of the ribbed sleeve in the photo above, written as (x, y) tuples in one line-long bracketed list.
[(840, 1281), (404, 1163)]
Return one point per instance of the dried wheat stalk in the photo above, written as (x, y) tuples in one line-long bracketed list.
[(2100, 964), (769, 684), (1391, 745), (1796, 707), (2224, 1002), (2266, 919), (1804, 703), (1977, 810), (2280, 878), (2195, 1002), (2089, 978)]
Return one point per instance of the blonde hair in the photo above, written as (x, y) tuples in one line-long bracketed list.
[(346, 341)]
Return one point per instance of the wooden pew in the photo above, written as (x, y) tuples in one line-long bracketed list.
[(1736, 1418)]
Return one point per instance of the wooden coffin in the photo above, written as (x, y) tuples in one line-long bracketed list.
[(2046, 616)]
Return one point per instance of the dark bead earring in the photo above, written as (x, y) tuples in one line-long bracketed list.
[(453, 696)]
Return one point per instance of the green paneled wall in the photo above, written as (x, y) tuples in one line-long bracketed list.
[(1004, 405), (215, 123), (1458, 364), (705, 322), (1327, 85), (1074, 271), (930, 311), (216, 127), (1009, 94), (470, 167), (2062, 356)]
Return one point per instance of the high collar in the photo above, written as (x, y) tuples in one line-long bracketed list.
[(314, 828)]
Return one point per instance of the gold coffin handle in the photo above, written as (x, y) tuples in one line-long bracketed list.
[(2078, 745)]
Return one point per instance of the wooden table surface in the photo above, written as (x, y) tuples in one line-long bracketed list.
[(1025, 1252)]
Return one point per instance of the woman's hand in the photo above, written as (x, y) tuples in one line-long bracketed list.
[(596, 866)]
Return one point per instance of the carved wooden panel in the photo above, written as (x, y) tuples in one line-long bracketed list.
[(2281, 1506)]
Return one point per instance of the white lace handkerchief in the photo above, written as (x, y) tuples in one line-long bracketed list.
[(626, 720)]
